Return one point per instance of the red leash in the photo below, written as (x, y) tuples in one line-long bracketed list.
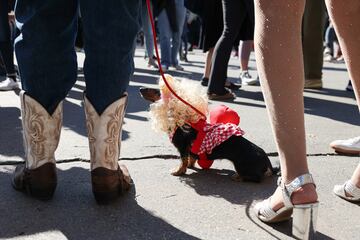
[(160, 68)]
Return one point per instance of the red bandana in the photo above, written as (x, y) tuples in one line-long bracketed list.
[(215, 134)]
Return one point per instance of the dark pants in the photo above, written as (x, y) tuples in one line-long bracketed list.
[(313, 37), (6, 47), (234, 13), (46, 55)]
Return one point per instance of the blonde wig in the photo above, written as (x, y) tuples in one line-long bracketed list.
[(169, 112)]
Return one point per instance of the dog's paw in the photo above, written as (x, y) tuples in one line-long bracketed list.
[(178, 171), (236, 177)]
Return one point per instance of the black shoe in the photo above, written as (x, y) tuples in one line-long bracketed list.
[(349, 87), (205, 81), (232, 86), (227, 95)]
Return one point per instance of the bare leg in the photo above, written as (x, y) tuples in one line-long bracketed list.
[(346, 19), (245, 50), (278, 44), (208, 63), (350, 189), (355, 179)]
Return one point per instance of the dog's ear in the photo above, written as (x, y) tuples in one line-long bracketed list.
[(186, 128)]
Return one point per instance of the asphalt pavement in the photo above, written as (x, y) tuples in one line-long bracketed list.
[(199, 205)]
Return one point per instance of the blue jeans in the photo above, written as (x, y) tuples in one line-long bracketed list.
[(46, 55), (170, 40), (330, 38), (146, 27)]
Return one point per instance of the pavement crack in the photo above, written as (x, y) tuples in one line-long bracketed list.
[(170, 196), (161, 156), (166, 156), (276, 154)]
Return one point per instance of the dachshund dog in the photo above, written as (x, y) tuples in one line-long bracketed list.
[(250, 161), (170, 115)]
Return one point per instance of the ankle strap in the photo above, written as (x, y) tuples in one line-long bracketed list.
[(288, 189)]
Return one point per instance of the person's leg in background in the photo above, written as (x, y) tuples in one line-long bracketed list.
[(245, 49), (2, 68), (176, 36), (312, 42), (278, 44), (236, 48), (110, 29), (48, 68), (205, 78), (165, 34), (149, 41), (233, 12), (330, 38), (350, 190), (6, 49), (348, 35), (346, 19), (183, 48)]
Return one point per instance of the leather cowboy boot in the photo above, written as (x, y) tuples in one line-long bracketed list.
[(109, 179), (41, 133)]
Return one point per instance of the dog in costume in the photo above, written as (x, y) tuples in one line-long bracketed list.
[(197, 139)]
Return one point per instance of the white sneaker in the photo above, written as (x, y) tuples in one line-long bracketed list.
[(247, 79), (8, 84), (348, 146)]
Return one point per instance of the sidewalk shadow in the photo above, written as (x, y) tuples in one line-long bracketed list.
[(217, 183), (334, 110), (11, 132), (74, 213), (332, 92)]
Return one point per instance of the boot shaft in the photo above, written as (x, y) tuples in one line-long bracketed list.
[(41, 131), (104, 133)]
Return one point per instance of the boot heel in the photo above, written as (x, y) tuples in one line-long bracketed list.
[(304, 221), (104, 198)]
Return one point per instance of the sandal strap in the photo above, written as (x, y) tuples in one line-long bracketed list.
[(289, 189), (351, 189), (264, 209)]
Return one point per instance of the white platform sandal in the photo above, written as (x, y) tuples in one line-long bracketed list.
[(349, 188), (304, 215)]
